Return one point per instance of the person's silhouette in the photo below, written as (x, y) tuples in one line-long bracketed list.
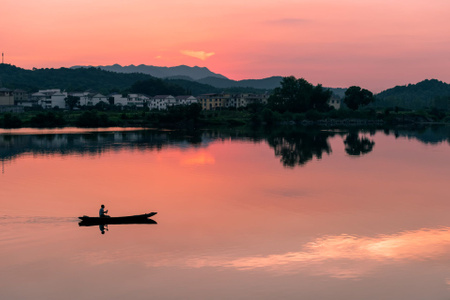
[(102, 212)]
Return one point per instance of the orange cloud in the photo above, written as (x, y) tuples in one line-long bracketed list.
[(197, 54)]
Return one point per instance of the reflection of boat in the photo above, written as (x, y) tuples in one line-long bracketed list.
[(136, 219)]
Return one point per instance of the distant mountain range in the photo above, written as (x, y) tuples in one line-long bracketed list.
[(201, 75), (185, 72)]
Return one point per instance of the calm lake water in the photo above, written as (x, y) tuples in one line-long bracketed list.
[(287, 214)]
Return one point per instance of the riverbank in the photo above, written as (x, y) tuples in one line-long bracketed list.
[(206, 119)]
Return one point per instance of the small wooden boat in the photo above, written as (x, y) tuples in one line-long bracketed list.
[(135, 219)]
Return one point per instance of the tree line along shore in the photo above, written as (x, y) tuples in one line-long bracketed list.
[(295, 102), (193, 117)]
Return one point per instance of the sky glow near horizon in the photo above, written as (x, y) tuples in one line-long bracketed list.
[(375, 44)]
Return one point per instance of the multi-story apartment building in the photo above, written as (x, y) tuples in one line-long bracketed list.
[(137, 100), (213, 101), (218, 101), (118, 99), (50, 98), (20, 96), (185, 100), (245, 100), (97, 98), (6, 96), (84, 98), (161, 102)]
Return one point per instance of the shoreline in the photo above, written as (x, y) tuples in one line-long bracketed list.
[(97, 120)]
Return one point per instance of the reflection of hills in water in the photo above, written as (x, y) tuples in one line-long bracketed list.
[(91, 143), (427, 135), (294, 146)]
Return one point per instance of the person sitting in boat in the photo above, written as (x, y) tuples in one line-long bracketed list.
[(102, 212)]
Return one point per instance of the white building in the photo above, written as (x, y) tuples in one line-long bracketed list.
[(84, 98), (235, 101), (58, 100), (186, 100), (137, 100), (171, 101), (97, 98), (50, 98), (161, 102), (38, 97), (119, 100), (335, 102)]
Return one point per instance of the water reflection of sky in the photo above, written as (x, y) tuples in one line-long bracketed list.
[(342, 256), (233, 222), (346, 256)]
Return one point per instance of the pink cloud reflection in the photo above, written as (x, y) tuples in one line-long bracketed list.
[(346, 256)]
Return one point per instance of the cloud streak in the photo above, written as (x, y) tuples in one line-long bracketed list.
[(288, 21), (197, 54)]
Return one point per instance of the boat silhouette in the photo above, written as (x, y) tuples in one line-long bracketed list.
[(107, 220)]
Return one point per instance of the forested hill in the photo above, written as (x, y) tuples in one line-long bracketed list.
[(105, 82), (66, 79), (90, 79), (427, 93)]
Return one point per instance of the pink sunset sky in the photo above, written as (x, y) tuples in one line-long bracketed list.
[(375, 44)]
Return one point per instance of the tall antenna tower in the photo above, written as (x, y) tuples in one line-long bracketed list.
[(3, 58)]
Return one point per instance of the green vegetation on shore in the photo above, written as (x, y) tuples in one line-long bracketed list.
[(193, 117)]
